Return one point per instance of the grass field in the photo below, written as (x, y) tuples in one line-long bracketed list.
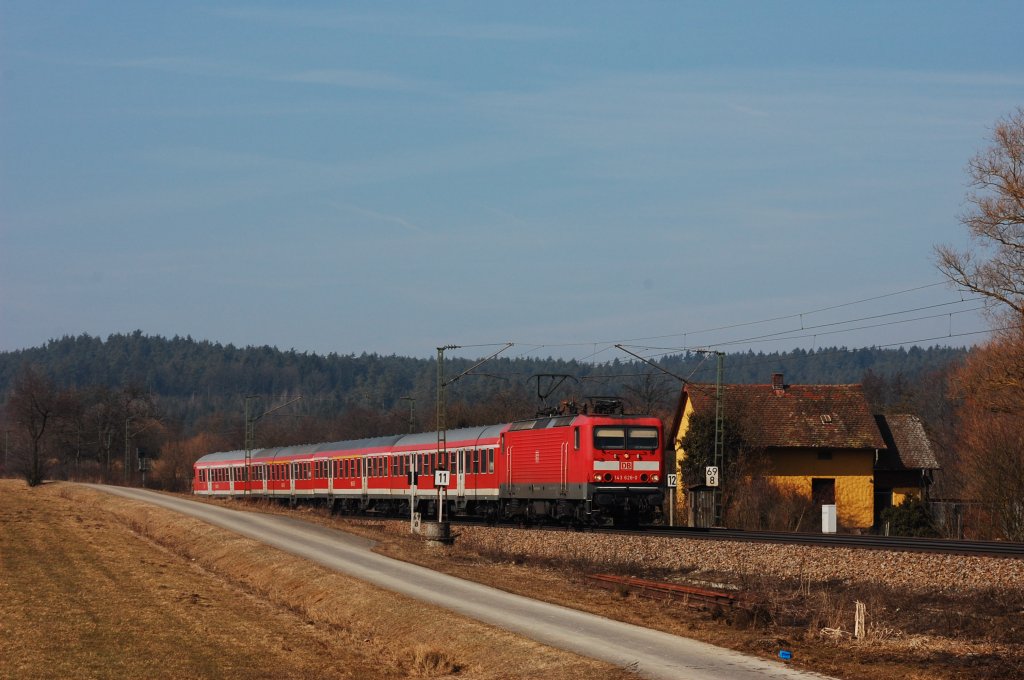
[(911, 636), (95, 586)]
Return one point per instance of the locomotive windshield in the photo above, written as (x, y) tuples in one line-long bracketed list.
[(642, 438), (645, 438)]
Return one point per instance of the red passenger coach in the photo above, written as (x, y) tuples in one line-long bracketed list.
[(579, 468)]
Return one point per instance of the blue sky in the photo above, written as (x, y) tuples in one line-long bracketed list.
[(390, 177)]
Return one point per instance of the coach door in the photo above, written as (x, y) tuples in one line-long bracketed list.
[(460, 477), (563, 482), (363, 463)]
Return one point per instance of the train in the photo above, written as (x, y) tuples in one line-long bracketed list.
[(602, 467)]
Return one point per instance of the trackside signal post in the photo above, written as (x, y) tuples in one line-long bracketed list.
[(442, 416), (250, 433), (713, 472)]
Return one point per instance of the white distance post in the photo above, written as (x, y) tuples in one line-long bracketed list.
[(441, 480)]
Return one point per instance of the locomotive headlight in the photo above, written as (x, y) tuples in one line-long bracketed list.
[(654, 478), (626, 456), (597, 477)]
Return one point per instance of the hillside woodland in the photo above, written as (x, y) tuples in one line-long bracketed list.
[(87, 407)]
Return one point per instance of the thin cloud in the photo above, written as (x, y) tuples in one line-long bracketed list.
[(379, 216), (407, 25), (365, 80), (350, 78)]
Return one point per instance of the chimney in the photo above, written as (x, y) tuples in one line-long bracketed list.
[(778, 387)]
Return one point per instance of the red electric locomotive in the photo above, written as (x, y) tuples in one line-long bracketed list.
[(574, 468)]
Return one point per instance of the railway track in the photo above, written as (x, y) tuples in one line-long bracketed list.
[(871, 542), (894, 543)]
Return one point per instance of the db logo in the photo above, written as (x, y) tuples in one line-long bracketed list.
[(627, 465)]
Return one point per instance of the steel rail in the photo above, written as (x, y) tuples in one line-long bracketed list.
[(947, 546), (865, 541)]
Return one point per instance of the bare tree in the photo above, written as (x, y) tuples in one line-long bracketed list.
[(651, 393), (35, 405), (995, 268)]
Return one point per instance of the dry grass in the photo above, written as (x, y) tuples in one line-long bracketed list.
[(909, 635), (101, 587)]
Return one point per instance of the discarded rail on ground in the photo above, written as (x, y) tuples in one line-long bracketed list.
[(662, 590)]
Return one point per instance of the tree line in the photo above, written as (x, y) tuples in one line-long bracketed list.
[(88, 408)]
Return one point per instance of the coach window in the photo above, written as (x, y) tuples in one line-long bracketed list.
[(576, 438), (490, 460)]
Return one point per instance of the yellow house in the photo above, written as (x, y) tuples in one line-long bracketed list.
[(820, 440)]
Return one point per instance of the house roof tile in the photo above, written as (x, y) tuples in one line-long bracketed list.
[(797, 416), (908, 445)]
